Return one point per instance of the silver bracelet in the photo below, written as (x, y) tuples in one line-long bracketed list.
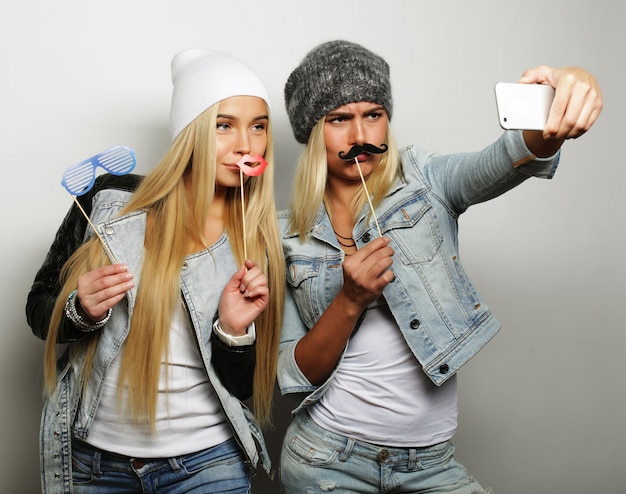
[(73, 315)]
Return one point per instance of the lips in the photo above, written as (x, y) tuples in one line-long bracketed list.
[(360, 158), (252, 165), (232, 167)]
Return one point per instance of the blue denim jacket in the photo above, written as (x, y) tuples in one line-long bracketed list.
[(202, 279), (441, 315)]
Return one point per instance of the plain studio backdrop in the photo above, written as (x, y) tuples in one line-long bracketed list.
[(542, 407)]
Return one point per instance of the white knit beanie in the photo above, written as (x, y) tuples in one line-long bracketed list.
[(202, 78)]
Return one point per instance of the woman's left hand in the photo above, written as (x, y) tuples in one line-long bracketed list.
[(576, 106), (244, 297)]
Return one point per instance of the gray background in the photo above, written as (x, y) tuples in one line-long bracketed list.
[(542, 407)]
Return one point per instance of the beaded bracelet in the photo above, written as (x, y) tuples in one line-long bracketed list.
[(73, 315)]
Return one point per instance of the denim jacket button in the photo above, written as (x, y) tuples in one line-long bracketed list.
[(415, 323), (444, 369), (108, 230), (367, 237)]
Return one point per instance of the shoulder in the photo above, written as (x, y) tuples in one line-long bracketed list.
[(415, 163), (114, 189), (127, 182), (107, 181), (416, 157), (284, 220)]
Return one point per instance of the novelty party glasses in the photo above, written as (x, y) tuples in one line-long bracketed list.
[(79, 179)]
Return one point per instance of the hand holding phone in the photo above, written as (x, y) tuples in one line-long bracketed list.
[(523, 106)]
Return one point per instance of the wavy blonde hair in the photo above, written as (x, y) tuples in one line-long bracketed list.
[(170, 216), (309, 191)]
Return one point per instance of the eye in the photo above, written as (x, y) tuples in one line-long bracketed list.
[(336, 119), (260, 127), (223, 126), (375, 115)]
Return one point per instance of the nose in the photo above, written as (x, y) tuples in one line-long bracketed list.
[(357, 131), (242, 146)]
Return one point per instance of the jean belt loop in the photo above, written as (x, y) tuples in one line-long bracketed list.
[(412, 459), (97, 457), (174, 465), (347, 451)]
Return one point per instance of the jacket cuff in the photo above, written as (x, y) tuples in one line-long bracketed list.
[(525, 161)]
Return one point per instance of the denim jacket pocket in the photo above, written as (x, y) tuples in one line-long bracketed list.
[(414, 230), (302, 278)]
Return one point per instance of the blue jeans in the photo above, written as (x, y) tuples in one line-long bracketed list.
[(314, 460), (215, 470)]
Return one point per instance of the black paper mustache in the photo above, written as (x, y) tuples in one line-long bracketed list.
[(365, 148)]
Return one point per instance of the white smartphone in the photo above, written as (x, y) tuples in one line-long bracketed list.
[(523, 106)]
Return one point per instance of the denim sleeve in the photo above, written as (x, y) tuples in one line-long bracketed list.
[(290, 377), (460, 180)]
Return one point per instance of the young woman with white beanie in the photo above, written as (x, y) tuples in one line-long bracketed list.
[(163, 346)]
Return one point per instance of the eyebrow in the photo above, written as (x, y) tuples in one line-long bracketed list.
[(233, 117), (337, 113)]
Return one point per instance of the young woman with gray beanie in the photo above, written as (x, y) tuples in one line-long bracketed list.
[(162, 347), (376, 327)]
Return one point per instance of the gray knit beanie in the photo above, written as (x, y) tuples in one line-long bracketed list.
[(333, 74)]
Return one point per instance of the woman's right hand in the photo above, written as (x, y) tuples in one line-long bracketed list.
[(366, 273), (102, 288)]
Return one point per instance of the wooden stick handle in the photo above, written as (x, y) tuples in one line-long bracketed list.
[(243, 216), (368, 196), (93, 227)]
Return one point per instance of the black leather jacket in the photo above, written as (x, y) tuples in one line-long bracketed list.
[(234, 365)]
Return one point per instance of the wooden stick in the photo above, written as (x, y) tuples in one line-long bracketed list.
[(243, 215), (93, 227), (356, 160)]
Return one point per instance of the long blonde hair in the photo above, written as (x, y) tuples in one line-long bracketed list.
[(170, 217), (309, 190)]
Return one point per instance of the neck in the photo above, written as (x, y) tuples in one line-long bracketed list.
[(340, 194), (215, 220)]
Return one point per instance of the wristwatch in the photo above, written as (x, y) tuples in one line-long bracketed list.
[(230, 340)]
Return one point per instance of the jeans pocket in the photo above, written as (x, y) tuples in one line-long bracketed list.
[(82, 469), (309, 451), (437, 455), (227, 454), (220, 468)]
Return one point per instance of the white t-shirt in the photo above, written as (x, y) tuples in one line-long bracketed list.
[(380, 393), (189, 416)]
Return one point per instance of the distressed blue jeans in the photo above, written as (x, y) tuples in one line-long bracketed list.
[(220, 469), (314, 460)]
